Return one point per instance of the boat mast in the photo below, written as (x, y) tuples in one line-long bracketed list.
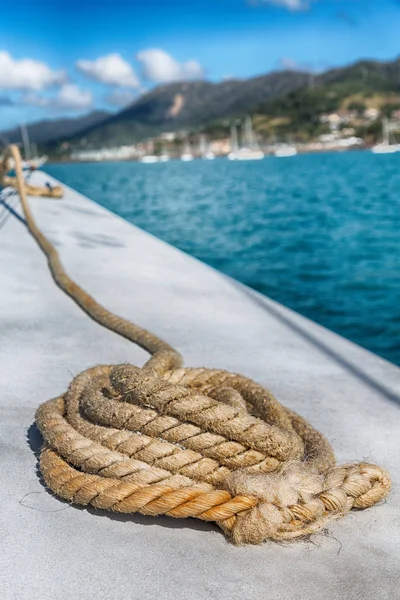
[(385, 131), (25, 141), (250, 140), (202, 145), (234, 138), (248, 131)]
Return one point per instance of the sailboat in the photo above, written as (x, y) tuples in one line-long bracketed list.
[(204, 150), (284, 150), (32, 160), (234, 143), (250, 150), (149, 158), (385, 147), (186, 155)]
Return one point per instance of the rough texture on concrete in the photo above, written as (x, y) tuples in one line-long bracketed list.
[(50, 550)]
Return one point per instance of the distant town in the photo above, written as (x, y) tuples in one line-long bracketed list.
[(340, 132)]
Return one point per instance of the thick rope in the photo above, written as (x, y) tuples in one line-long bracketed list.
[(32, 190), (167, 440)]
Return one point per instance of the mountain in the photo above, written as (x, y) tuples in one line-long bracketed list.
[(49, 130), (188, 105), (284, 105), (366, 72)]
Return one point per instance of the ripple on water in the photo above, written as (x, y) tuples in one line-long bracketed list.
[(318, 233)]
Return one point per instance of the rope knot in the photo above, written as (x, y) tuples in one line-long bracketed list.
[(296, 500), (293, 486)]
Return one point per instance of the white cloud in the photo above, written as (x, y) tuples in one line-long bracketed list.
[(293, 5), (27, 74), (120, 97), (111, 70), (73, 98), (289, 64), (313, 68), (70, 97), (160, 67)]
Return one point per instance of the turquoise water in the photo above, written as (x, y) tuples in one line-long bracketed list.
[(319, 233)]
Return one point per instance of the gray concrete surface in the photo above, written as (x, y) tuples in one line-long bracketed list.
[(50, 550)]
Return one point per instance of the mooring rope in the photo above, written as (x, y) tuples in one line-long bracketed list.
[(182, 442), (32, 190)]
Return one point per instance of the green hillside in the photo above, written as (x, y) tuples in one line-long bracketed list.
[(351, 90)]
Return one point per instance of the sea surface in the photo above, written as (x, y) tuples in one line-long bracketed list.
[(318, 233)]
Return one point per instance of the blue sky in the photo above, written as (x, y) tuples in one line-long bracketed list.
[(67, 58)]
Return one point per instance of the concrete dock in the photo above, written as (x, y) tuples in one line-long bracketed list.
[(53, 551)]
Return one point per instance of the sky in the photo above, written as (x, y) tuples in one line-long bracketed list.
[(68, 57)]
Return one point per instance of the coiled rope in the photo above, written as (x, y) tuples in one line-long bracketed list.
[(168, 440)]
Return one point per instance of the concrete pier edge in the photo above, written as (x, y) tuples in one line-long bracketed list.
[(50, 550)]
